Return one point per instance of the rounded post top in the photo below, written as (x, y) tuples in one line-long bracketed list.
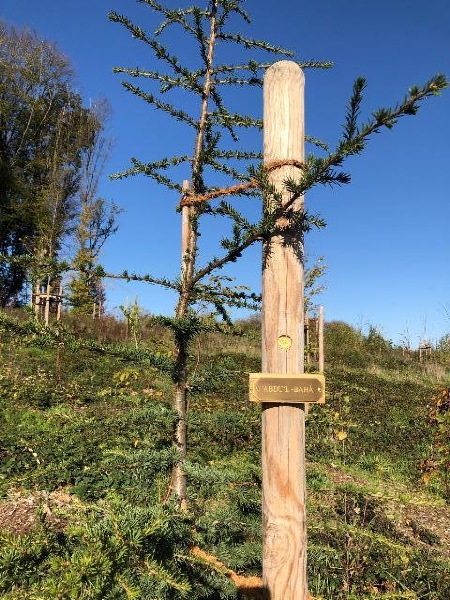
[(283, 116), (285, 68)]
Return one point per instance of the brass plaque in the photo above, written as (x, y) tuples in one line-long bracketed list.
[(287, 388)]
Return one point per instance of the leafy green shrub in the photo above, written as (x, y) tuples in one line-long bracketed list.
[(343, 344), (388, 413), (109, 552), (329, 429), (360, 554), (219, 434), (437, 464), (92, 450), (106, 437), (24, 559), (222, 382), (376, 345)]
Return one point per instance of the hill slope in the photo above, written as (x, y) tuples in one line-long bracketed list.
[(86, 455)]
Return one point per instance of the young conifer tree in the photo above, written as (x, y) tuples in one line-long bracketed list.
[(215, 166), (97, 219)]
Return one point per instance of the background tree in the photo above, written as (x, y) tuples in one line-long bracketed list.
[(312, 282), (97, 218), (42, 134), (213, 163)]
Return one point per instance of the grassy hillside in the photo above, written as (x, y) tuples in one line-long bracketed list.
[(85, 457)]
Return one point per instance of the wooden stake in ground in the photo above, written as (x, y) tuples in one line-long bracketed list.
[(283, 443), (188, 242), (320, 325)]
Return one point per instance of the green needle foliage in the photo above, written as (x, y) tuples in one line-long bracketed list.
[(89, 468), (126, 538), (212, 125), (214, 131)]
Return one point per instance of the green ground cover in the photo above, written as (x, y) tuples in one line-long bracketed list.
[(86, 455)]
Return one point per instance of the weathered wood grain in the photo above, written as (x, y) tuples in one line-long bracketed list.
[(283, 443)]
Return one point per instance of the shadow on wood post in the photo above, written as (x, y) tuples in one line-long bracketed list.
[(283, 425)]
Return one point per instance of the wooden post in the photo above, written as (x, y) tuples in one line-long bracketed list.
[(59, 300), (47, 303), (320, 324), (283, 425), (307, 339), (37, 299), (188, 243)]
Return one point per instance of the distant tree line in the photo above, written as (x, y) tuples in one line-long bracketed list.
[(52, 153)]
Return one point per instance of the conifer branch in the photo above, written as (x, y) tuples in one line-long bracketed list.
[(225, 297), (166, 577), (353, 109), (226, 293), (249, 44), (177, 113), (166, 283), (167, 82), (41, 335), (322, 171), (227, 120), (172, 16), (238, 155), (222, 111), (232, 255), (55, 268), (227, 210), (232, 6), (218, 289), (254, 67), (315, 64), (204, 42), (151, 170), (160, 51), (318, 143), (224, 168), (214, 158), (253, 81)]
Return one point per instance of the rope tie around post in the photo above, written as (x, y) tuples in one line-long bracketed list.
[(190, 199)]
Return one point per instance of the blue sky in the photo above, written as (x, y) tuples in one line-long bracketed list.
[(386, 244)]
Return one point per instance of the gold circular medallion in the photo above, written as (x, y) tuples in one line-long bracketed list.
[(284, 342)]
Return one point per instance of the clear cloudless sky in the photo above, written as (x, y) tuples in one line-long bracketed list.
[(387, 243)]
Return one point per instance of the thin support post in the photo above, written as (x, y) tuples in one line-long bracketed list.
[(47, 302), (37, 299), (58, 309), (320, 325), (188, 244), (307, 339), (283, 425)]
